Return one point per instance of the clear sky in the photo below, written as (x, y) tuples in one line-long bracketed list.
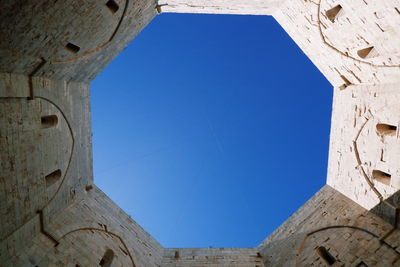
[(211, 130)]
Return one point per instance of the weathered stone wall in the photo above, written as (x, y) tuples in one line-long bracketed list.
[(331, 222), (213, 257), (365, 145), (45, 147), (253, 7), (48, 51), (82, 233), (335, 38), (51, 213), (65, 40)]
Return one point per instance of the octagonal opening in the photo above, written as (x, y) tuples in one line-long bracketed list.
[(212, 132)]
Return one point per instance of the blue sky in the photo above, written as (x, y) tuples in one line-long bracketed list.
[(211, 130)]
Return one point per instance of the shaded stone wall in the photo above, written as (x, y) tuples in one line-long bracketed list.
[(70, 41), (82, 233), (213, 257), (49, 51), (331, 226)]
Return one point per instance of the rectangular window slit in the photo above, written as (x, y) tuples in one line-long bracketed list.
[(112, 5), (381, 177), (177, 254), (325, 255), (72, 48), (49, 121), (53, 177)]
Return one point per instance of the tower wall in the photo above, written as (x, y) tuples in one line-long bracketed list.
[(332, 223), (333, 43), (51, 213), (223, 257), (71, 41), (80, 235), (249, 7)]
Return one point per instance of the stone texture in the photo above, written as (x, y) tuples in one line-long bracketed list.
[(67, 41), (350, 233), (359, 149), (253, 7), (213, 257), (51, 213)]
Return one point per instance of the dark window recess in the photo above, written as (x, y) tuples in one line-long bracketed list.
[(362, 264), (326, 256), (107, 258), (112, 5), (49, 121), (53, 177), (381, 177), (386, 129), (332, 13), (72, 48), (89, 187), (368, 52)]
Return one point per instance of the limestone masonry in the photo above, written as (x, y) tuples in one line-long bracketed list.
[(51, 213)]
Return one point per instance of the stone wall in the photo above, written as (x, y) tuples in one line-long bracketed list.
[(83, 233), (365, 146), (70, 41), (212, 257), (45, 152), (49, 50), (335, 33), (51, 213), (253, 7), (331, 229)]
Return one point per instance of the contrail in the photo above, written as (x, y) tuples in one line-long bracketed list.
[(219, 144)]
